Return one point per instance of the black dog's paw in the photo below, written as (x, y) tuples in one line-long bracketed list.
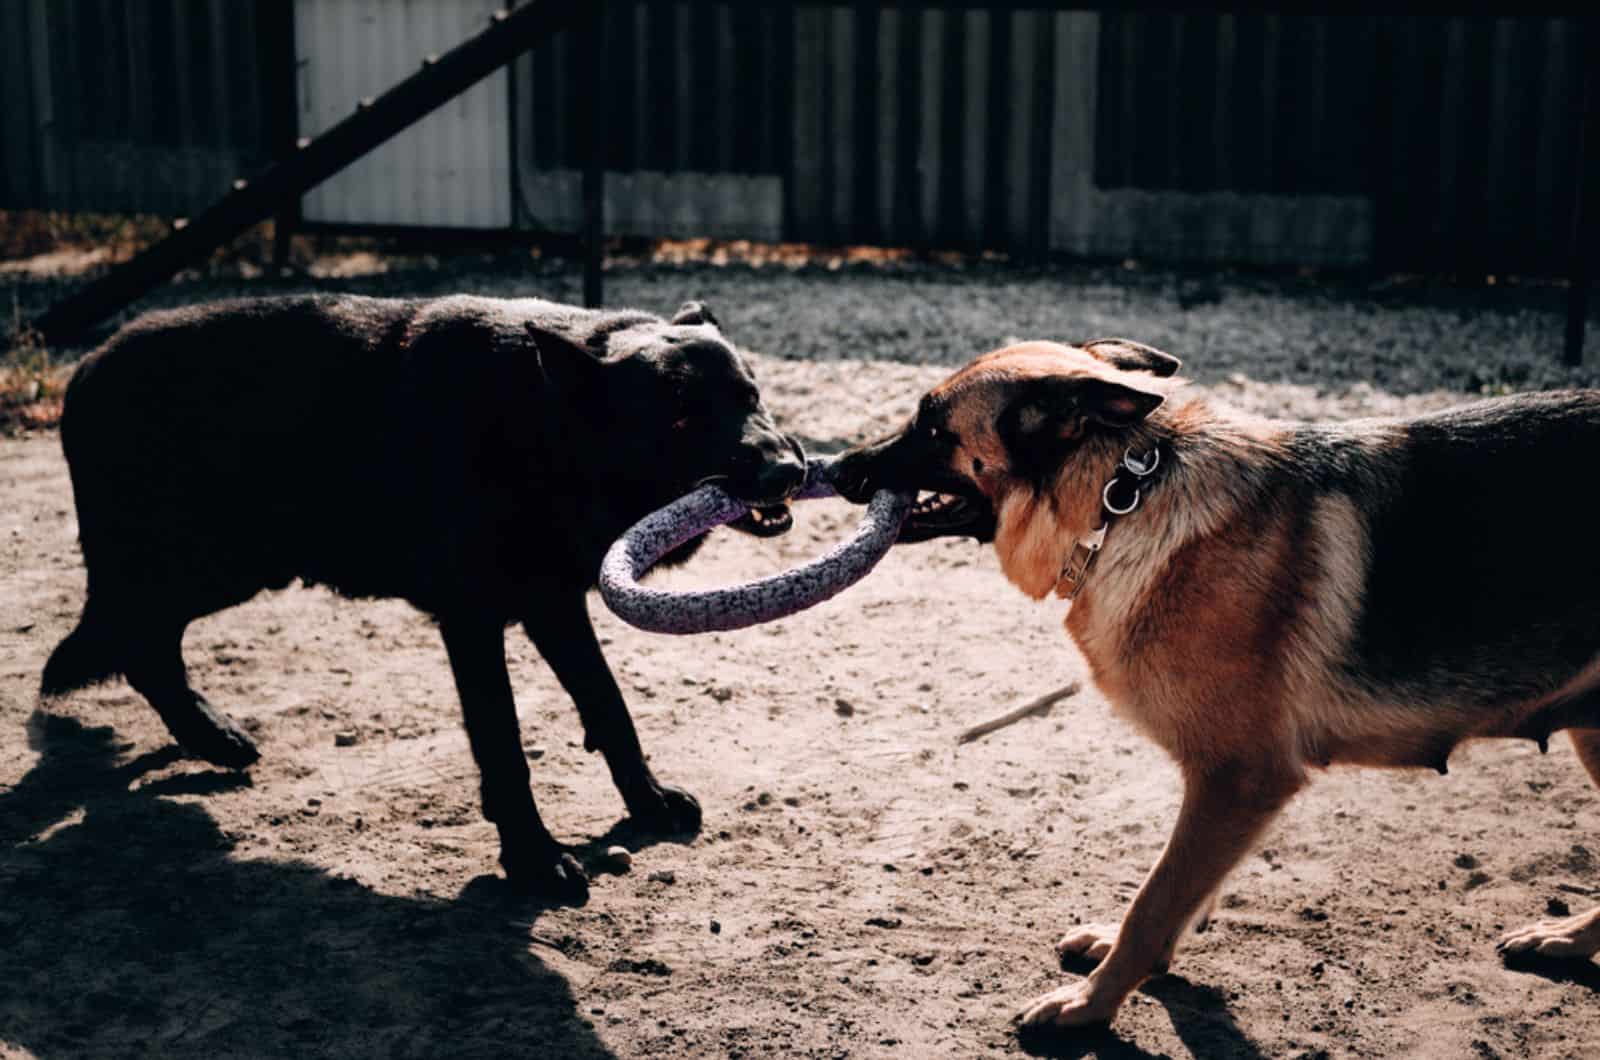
[(207, 733), (556, 877), (666, 809)]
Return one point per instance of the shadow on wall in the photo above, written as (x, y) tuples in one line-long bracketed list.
[(132, 930)]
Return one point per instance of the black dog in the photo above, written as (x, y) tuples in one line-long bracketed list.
[(474, 456)]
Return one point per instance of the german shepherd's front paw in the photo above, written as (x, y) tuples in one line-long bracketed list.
[(1074, 1005), (553, 875), (1571, 937), (1090, 942), (666, 809)]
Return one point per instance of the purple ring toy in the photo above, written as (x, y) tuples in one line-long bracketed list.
[(749, 604)]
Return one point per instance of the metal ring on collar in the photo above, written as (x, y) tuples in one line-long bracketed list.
[(1141, 468), (1105, 499)]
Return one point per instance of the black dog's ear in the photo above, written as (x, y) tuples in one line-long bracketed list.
[(1133, 356), (565, 367), (695, 313)]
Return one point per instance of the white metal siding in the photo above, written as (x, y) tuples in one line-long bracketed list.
[(453, 168)]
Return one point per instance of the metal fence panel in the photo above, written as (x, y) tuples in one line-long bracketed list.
[(450, 170), (1400, 141), (149, 107)]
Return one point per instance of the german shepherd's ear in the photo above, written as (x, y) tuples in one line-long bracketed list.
[(567, 369), (1133, 356), (1047, 416), (695, 313)]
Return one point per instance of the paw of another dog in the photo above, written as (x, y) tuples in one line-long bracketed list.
[(1091, 941), (1073, 1005), (667, 809), (210, 735), (560, 879), (1573, 936)]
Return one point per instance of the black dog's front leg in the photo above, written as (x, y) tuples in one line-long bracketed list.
[(532, 858), (564, 636)]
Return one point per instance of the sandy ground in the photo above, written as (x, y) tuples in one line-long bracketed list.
[(863, 886)]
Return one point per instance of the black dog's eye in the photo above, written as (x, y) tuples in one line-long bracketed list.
[(939, 436)]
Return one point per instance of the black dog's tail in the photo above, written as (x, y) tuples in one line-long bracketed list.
[(84, 658)]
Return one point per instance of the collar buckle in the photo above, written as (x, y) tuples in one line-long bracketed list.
[(1075, 571)]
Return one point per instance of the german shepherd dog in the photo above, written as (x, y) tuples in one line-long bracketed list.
[(473, 456), (1265, 599)]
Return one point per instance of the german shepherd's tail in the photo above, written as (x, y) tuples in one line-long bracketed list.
[(84, 658)]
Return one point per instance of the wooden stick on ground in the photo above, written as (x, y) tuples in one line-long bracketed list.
[(1039, 706)]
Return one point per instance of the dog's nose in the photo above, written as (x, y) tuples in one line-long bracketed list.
[(769, 467), (849, 477), (783, 472)]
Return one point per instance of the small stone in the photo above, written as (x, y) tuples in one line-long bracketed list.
[(1556, 907), (716, 927), (344, 738), (663, 876), (764, 799), (844, 708), (1466, 861), (620, 858), (1478, 879), (647, 966), (533, 753)]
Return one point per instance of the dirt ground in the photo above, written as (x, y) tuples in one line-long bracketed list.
[(863, 886)]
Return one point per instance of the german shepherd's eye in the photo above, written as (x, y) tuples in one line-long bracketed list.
[(939, 436)]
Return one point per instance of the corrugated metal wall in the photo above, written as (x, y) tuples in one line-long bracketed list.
[(695, 122), (150, 107), (1411, 142), (1408, 142), (1459, 131), (453, 168)]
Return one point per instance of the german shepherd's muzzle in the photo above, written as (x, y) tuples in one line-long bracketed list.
[(1267, 599)]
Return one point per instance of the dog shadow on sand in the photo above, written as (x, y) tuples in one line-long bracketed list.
[(1199, 1015), (127, 927)]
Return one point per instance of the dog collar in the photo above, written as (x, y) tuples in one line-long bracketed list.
[(1120, 495)]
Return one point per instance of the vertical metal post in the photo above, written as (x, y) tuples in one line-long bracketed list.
[(592, 117), (276, 20), (1584, 209)]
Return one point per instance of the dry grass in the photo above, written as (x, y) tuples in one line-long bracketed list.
[(31, 383)]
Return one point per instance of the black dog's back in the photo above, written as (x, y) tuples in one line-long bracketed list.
[(473, 456), (202, 443)]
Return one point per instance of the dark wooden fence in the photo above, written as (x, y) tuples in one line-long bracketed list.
[(147, 106), (1405, 142)]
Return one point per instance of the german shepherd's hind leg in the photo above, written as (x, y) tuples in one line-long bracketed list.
[(152, 659), (1575, 936), (1225, 810), (565, 637), (533, 860)]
